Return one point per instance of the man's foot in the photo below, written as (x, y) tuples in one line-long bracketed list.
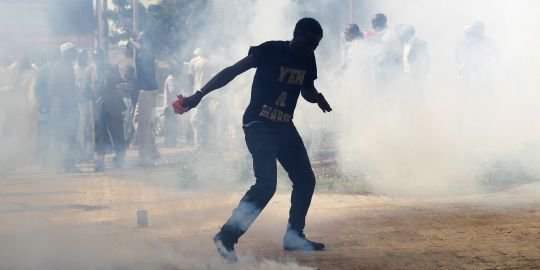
[(225, 248), (298, 241)]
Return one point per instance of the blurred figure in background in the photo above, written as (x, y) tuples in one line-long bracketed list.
[(42, 96), (83, 80), (386, 52), (64, 108), (476, 55), (352, 36), (200, 72), (129, 76), (145, 109), (477, 58), (18, 114), (170, 91), (113, 124), (416, 58)]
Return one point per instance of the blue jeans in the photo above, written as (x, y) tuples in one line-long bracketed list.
[(267, 143)]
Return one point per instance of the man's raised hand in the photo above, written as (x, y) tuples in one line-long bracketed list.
[(323, 104)]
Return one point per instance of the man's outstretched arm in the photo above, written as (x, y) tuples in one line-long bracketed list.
[(219, 80), (310, 94)]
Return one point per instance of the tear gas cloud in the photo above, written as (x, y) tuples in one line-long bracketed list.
[(431, 137), (455, 136)]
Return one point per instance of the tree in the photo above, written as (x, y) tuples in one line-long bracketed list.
[(121, 21), (168, 25)]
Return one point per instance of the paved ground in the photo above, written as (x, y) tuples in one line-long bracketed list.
[(88, 221)]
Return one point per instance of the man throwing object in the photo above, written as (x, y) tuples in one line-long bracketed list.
[(285, 69)]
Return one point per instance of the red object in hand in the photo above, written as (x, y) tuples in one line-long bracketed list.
[(177, 105)]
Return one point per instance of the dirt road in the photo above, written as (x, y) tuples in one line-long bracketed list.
[(88, 221)]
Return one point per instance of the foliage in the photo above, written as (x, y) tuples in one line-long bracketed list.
[(121, 21), (168, 24)]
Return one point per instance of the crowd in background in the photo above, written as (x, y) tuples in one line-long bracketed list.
[(77, 106), (386, 68)]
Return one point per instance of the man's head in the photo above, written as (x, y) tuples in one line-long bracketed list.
[(198, 52), (475, 30), (379, 22), (68, 51), (405, 32), (307, 35), (353, 32)]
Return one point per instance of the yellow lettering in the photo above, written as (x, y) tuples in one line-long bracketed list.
[(286, 118), (292, 77), (265, 112), (280, 101), (300, 77), (273, 115), (279, 116), (283, 72)]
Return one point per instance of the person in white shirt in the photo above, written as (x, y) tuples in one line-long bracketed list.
[(416, 58), (200, 71), (170, 92), (386, 51)]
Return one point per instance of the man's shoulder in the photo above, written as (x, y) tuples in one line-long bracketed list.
[(278, 44)]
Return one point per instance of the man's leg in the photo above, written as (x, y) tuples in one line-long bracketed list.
[(70, 141), (115, 125), (263, 146), (294, 159), (102, 140)]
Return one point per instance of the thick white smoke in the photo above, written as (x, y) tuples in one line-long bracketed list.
[(400, 145), (456, 137)]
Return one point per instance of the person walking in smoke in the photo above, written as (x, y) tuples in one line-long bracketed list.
[(83, 80), (199, 69), (416, 58), (18, 114), (64, 107), (171, 88), (352, 36), (285, 69), (41, 90), (114, 118), (476, 55), (386, 52), (477, 58), (145, 67)]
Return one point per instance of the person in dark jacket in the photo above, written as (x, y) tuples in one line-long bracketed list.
[(114, 118)]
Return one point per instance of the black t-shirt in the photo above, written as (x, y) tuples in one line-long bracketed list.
[(278, 80)]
